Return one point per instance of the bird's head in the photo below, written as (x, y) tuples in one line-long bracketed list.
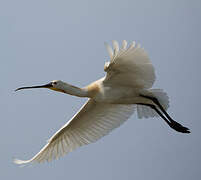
[(55, 85)]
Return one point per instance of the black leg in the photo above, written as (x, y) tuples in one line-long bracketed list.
[(159, 113), (155, 100), (173, 124)]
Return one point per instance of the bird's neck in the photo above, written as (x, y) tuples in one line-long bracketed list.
[(75, 91)]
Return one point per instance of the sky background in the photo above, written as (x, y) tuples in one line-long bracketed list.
[(43, 40)]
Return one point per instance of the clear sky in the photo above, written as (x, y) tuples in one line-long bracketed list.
[(45, 40)]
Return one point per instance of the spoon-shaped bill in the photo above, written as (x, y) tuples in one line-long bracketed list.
[(49, 85)]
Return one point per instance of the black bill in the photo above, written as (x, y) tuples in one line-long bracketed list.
[(49, 85)]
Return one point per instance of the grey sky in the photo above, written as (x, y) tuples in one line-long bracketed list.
[(45, 40)]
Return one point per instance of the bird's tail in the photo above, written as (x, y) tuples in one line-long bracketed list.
[(145, 111)]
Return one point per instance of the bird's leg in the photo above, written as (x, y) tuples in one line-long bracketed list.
[(158, 112), (173, 124)]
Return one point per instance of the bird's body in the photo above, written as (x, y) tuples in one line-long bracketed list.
[(108, 93), (112, 100)]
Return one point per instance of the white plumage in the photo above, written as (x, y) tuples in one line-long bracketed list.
[(112, 100), (130, 67), (94, 121)]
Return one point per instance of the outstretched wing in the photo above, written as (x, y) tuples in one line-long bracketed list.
[(92, 122), (129, 66)]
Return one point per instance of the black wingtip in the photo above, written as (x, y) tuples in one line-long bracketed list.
[(178, 127)]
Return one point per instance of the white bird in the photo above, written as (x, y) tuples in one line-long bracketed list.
[(112, 100)]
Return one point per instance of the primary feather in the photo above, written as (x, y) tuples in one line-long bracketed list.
[(94, 121), (130, 67)]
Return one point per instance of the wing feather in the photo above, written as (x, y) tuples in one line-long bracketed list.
[(94, 121), (109, 50), (129, 67), (116, 47), (124, 44)]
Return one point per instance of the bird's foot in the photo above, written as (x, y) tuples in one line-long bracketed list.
[(178, 127)]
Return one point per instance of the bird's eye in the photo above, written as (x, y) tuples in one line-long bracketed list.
[(54, 83)]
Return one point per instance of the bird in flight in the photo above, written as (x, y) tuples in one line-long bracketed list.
[(111, 101)]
